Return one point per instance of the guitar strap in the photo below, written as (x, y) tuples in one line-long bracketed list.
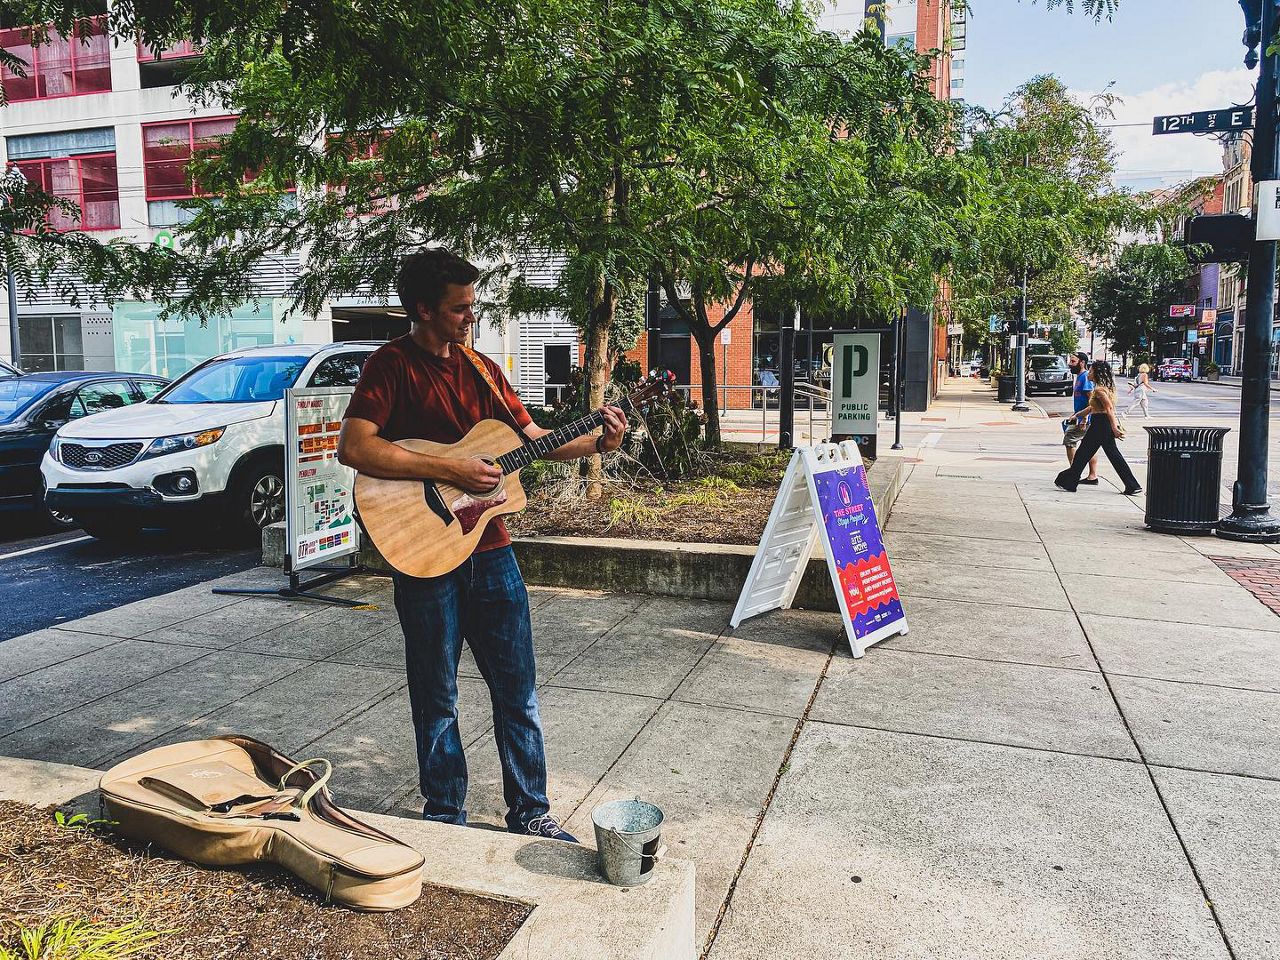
[(487, 377)]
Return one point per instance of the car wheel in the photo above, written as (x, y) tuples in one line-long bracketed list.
[(258, 498), (57, 519)]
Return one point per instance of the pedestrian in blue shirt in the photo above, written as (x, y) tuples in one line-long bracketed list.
[(1080, 392)]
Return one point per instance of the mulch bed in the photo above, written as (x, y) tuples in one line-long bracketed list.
[(731, 507), (48, 871), (738, 518)]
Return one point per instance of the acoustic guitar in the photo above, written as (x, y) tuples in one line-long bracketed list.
[(425, 528)]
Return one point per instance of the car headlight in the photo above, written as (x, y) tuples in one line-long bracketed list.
[(55, 448), (185, 441)]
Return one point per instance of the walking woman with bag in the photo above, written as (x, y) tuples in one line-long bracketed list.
[(1103, 430), (1140, 389)]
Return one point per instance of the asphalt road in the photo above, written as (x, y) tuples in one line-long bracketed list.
[(47, 578)]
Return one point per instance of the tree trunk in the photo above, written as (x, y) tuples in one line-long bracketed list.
[(706, 341), (598, 371)]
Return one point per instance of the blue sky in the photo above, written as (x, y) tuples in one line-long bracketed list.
[(1163, 56)]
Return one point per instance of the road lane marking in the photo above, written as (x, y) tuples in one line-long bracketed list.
[(47, 546)]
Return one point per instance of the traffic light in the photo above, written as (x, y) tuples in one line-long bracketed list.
[(1226, 235)]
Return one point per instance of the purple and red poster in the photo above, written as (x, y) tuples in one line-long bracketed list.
[(856, 555)]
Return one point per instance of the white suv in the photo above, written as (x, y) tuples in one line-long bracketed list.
[(212, 439)]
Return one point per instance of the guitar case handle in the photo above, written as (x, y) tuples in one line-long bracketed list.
[(435, 502)]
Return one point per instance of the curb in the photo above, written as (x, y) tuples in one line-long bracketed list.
[(576, 915), (697, 571)]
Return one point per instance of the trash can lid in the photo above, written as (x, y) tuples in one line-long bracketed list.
[(1190, 439)]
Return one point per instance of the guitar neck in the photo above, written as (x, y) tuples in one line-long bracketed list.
[(540, 448)]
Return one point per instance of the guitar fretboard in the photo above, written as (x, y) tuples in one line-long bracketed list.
[(542, 447)]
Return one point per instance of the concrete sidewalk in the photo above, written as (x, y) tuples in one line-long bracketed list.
[(1072, 754)]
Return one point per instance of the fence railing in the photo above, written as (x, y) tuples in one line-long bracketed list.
[(747, 410)]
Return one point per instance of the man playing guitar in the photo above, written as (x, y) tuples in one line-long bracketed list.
[(427, 385)]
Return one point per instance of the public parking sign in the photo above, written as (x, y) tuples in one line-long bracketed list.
[(1205, 121), (855, 387)]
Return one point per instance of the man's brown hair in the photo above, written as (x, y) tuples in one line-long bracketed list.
[(426, 274)]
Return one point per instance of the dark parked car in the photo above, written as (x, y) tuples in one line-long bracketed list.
[(35, 405), (1048, 374)]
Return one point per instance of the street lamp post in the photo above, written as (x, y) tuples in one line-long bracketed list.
[(1251, 518)]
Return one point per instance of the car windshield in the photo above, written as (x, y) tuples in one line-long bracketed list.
[(18, 393), (1045, 363), (242, 379)]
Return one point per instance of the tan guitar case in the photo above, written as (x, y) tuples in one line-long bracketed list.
[(234, 800)]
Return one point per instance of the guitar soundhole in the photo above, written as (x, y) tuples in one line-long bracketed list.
[(469, 509)]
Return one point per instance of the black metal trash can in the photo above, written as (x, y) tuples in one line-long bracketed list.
[(1005, 388), (1184, 472)]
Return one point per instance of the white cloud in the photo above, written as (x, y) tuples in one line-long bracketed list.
[(1144, 160)]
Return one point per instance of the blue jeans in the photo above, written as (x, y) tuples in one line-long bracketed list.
[(485, 602)]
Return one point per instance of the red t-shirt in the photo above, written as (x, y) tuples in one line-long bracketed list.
[(413, 394)]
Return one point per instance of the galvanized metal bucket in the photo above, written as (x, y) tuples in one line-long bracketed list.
[(628, 840)]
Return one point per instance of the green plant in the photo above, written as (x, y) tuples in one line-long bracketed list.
[(631, 511), (69, 938), (1211, 367), (761, 470), (667, 439), (77, 821), (707, 492)]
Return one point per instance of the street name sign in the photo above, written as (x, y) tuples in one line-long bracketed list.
[(319, 501), (824, 496), (1205, 121)]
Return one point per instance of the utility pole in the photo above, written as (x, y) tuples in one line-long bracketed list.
[(1251, 518)]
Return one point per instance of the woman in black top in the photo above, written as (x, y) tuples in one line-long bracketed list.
[(1101, 435)]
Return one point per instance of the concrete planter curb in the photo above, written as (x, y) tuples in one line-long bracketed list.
[(701, 571), (576, 914)]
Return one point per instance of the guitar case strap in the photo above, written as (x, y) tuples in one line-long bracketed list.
[(487, 377)]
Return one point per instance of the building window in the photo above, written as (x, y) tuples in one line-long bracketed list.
[(88, 181), (51, 343), (61, 67), (905, 40), (168, 147)]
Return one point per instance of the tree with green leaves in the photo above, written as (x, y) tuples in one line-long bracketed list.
[(832, 195), (1047, 207), (1128, 300)]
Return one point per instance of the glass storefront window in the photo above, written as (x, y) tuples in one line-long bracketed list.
[(167, 348), (51, 343)]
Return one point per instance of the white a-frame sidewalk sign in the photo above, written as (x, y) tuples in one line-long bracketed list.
[(824, 496)]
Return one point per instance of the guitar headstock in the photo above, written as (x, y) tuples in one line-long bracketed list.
[(657, 386)]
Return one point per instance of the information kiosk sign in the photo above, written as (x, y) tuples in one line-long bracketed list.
[(824, 498), (319, 504)]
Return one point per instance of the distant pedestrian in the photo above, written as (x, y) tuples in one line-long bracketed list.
[(1140, 388), (1101, 434), (1080, 390)]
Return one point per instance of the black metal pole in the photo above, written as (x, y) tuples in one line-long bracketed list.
[(897, 379), (1251, 518), (787, 361)]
